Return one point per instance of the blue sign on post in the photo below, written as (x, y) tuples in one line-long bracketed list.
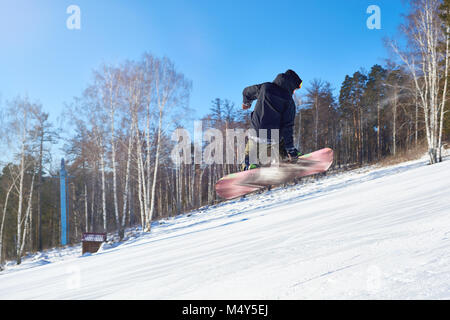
[(62, 176)]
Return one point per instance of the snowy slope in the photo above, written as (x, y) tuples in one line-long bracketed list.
[(368, 234)]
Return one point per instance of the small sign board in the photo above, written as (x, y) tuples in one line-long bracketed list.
[(91, 242)]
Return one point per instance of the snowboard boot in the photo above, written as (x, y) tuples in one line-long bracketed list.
[(293, 159), (247, 166)]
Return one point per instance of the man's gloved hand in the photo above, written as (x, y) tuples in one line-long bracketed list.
[(246, 106), (293, 153)]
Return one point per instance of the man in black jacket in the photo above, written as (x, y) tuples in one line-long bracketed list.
[(274, 109)]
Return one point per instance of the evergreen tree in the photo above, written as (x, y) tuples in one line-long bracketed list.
[(375, 97)]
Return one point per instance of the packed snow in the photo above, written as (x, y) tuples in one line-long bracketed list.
[(372, 233)]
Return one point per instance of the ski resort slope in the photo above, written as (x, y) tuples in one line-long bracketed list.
[(376, 233)]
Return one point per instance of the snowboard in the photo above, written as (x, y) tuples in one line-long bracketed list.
[(241, 183)]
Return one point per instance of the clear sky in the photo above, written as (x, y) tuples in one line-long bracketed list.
[(222, 46)]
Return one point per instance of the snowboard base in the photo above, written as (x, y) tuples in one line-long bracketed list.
[(241, 183)]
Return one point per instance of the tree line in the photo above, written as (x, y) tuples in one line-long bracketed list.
[(117, 141)]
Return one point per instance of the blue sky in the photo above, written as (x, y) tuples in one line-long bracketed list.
[(222, 46)]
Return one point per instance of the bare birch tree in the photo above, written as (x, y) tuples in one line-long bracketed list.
[(4, 210), (428, 65), (21, 114), (172, 90), (109, 83)]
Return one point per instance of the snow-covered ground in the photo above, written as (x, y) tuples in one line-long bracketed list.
[(373, 233)]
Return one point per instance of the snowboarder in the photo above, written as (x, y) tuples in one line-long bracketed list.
[(274, 109)]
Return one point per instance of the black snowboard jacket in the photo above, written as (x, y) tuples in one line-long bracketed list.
[(275, 107)]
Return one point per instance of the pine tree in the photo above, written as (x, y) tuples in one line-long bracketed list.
[(375, 97)]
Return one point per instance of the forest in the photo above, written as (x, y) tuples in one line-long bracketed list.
[(117, 142)]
